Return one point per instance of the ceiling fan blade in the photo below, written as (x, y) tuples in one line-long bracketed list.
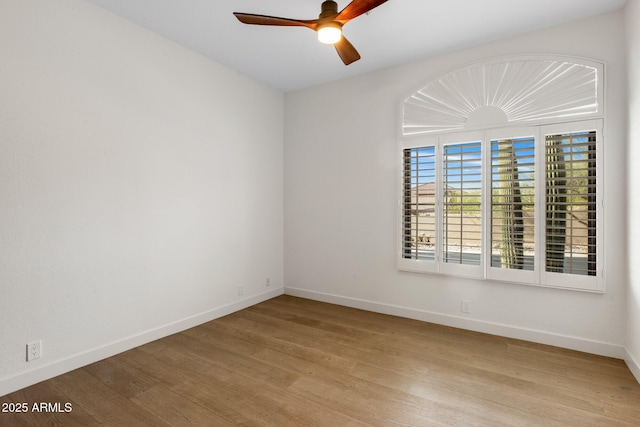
[(347, 52), (357, 8), (249, 18)]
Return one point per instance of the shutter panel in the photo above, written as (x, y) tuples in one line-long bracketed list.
[(570, 180), (512, 203), (418, 205), (462, 203)]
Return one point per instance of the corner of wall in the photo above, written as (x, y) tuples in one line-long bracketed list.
[(633, 365)]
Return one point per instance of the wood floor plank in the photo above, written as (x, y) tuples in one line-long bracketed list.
[(207, 347), (213, 369), (177, 410), (596, 369), (247, 403), (102, 403), (300, 346), (455, 396), (121, 378), (292, 362), (171, 373), (367, 408)]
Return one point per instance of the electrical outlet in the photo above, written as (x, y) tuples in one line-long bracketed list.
[(34, 350), (267, 282), (465, 307), (240, 290)]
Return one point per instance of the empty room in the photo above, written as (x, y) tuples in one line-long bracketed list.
[(319, 213)]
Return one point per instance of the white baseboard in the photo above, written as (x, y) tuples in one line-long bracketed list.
[(58, 367), (633, 365), (542, 337)]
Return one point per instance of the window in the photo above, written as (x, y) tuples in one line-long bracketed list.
[(518, 205), (502, 173)]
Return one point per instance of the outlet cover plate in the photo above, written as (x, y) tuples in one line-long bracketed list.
[(34, 350)]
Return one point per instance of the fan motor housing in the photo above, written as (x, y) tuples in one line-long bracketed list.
[(329, 9)]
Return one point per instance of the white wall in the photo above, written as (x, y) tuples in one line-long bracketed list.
[(140, 184), (341, 192), (632, 15)]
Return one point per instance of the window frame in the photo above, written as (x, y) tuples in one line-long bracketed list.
[(537, 277)]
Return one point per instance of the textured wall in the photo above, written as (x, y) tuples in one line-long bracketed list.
[(140, 184)]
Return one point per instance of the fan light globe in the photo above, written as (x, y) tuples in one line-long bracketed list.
[(329, 34)]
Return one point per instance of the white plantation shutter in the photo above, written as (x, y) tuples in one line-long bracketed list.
[(512, 203), (419, 203), (526, 90), (462, 203), (520, 205), (571, 209)]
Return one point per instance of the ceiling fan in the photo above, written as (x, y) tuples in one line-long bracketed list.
[(328, 25)]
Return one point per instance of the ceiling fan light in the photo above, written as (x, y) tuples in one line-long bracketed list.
[(330, 33)]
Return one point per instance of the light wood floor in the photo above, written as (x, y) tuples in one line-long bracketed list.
[(296, 362)]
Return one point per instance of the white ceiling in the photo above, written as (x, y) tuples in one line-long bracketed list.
[(399, 31)]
